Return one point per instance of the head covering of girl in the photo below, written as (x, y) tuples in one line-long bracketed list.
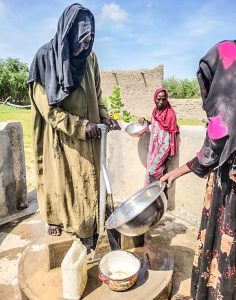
[(55, 66), (217, 79), (163, 141)]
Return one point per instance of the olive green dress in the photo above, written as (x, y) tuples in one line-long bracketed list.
[(67, 162)]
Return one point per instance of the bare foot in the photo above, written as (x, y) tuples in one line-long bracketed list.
[(54, 230)]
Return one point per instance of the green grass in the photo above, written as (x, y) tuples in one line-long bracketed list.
[(8, 113), (179, 121), (190, 122)]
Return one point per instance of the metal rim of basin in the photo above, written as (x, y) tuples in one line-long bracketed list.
[(142, 127), (111, 223)]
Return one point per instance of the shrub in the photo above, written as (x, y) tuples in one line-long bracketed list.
[(182, 89), (13, 80), (115, 106)]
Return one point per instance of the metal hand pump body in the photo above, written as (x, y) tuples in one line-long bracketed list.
[(103, 244)]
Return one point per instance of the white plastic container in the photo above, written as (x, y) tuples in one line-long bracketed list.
[(74, 271)]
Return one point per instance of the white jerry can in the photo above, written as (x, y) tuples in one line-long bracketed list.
[(74, 271)]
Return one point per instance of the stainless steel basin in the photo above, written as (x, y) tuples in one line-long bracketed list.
[(136, 128), (140, 212)]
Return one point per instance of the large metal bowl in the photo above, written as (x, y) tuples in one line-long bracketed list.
[(140, 212), (136, 128)]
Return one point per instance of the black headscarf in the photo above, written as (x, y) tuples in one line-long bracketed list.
[(53, 66), (217, 79)]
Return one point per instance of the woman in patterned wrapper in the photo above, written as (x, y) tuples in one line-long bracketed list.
[(214, 268), (163, 143)]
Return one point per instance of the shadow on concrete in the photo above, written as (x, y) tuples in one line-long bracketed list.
[(183, 262), (172, 164), (30, 209), (143, 144), (166, 230), (142, 276), (17, 233), (94, 283)]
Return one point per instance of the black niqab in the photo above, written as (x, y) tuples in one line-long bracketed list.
[(54, 66)]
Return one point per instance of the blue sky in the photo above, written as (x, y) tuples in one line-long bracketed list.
[(130, 34)]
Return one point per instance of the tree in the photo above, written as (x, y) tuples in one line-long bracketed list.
[(13, 80), (182, 89)]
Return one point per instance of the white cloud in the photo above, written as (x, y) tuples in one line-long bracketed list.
[(170, 47), (206, 21), (201, 26), (104, 39), (114, 12)]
